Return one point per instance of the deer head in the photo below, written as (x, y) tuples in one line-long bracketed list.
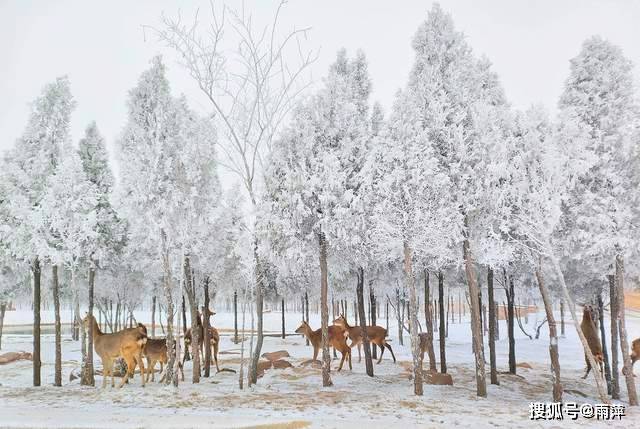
[(341, 321), (303, 328)]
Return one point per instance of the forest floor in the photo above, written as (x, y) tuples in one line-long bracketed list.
[(293, 398)]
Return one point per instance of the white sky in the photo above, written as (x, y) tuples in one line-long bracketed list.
[(101, 46)]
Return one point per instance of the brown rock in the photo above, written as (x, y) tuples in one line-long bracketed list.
[(14, 356), (438, 379), (312, 363), (281, 364), (273, 356)]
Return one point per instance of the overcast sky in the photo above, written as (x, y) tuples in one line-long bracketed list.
[(101, 46)]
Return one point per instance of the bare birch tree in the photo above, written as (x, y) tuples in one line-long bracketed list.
[(251, 89)]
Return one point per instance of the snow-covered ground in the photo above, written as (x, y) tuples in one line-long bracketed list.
[(294, 398)]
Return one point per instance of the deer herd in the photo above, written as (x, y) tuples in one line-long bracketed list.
[(132, 344)]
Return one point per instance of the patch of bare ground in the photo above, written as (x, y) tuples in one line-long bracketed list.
[(296, 424)]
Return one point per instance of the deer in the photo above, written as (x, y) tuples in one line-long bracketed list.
[(635, 352), (127, 343), (155, 350), (337, 340), (213, 334), (590, 332), (377, 336)]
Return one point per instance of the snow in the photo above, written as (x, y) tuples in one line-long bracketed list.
[(294, 396)]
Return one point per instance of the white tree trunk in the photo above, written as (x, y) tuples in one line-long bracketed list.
[(597, 375), (410, 283)]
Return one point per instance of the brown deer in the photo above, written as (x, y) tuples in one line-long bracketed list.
[(635, 352), (377, 336), (213, 333), (127, 343), (155, 350), (590, 332), (337, 340)]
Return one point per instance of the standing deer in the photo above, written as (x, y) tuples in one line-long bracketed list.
[(213, 334), (377, 336), (127, 343), (337, 340), (155, 350), (590, 332), (635, 352)]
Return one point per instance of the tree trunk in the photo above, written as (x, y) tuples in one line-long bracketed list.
[(195, 322), (585, 345), (283, 333), (442, 321), (410, 284), (386, 313), (372, 300), (492, 327), (172, 347), (118, 326), (76, 319), (58, 327), (3, 308), (186, 356), (399, 316), (153, 317), (553, 338), (603, 338), (363, 325), (255, 357), (324, 312), (306, 302), (88, 378), (476, 331), (36, 321), (206, 326), (511, 327), (429, 324), (627, 368), (562, 317), (615, 376), (235, 317)]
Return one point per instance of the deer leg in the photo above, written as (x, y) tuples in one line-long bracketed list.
[(315, 352), (387, 345), (344, 354), (141, 363), (381, 352), (105, 372), (215, 355), (359, 355), (588, 367), (151, 364), (350, 366)]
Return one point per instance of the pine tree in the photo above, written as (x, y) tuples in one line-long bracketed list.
[(452, 90), (30, 164), (602, 207), (110, 236)]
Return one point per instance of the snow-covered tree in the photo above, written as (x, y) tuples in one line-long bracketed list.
[(601, 211), (453, 89), (29, 165), (110, 229), (311, 181), (412, 211), (68, 215), (147, 160)]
